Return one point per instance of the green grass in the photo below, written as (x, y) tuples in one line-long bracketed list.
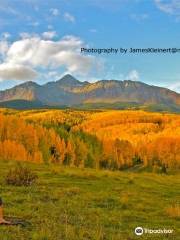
[(76, 204)]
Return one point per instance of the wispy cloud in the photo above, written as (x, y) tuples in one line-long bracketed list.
[(69, 17), (168, 6), (133, 75), (8, 10), (175, 86), (25, 35), (54, 11), (49, 35)]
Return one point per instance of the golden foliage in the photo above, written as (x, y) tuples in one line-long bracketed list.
[(127, 138), (152, 137), (28, 142)]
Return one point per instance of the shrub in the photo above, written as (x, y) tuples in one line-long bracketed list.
[(20, 176)]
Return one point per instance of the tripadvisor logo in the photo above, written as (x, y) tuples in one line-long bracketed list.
[(139, 231)]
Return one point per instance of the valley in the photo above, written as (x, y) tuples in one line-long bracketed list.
[(99, 173)]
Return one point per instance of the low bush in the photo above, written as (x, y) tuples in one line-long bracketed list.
[(20, 176)]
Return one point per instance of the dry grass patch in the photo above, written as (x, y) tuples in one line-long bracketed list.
[(173, 211)]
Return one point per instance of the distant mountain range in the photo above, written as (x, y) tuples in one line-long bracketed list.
[(69, 92)]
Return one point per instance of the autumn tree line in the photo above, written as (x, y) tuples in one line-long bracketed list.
[(24, 141), (112, 140)]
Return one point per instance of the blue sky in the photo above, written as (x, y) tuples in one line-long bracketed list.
[(41, 40)]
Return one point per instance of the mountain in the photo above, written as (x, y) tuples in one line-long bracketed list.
[(68, 91)]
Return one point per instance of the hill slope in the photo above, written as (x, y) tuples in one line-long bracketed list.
[(78, 204)]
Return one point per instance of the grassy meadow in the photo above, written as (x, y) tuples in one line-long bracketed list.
[(79, 204)]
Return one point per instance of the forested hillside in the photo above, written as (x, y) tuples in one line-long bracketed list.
[(132, 137), (108, 139)]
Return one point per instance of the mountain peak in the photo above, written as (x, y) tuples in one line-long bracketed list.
[(68, 80), (28, 84)]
